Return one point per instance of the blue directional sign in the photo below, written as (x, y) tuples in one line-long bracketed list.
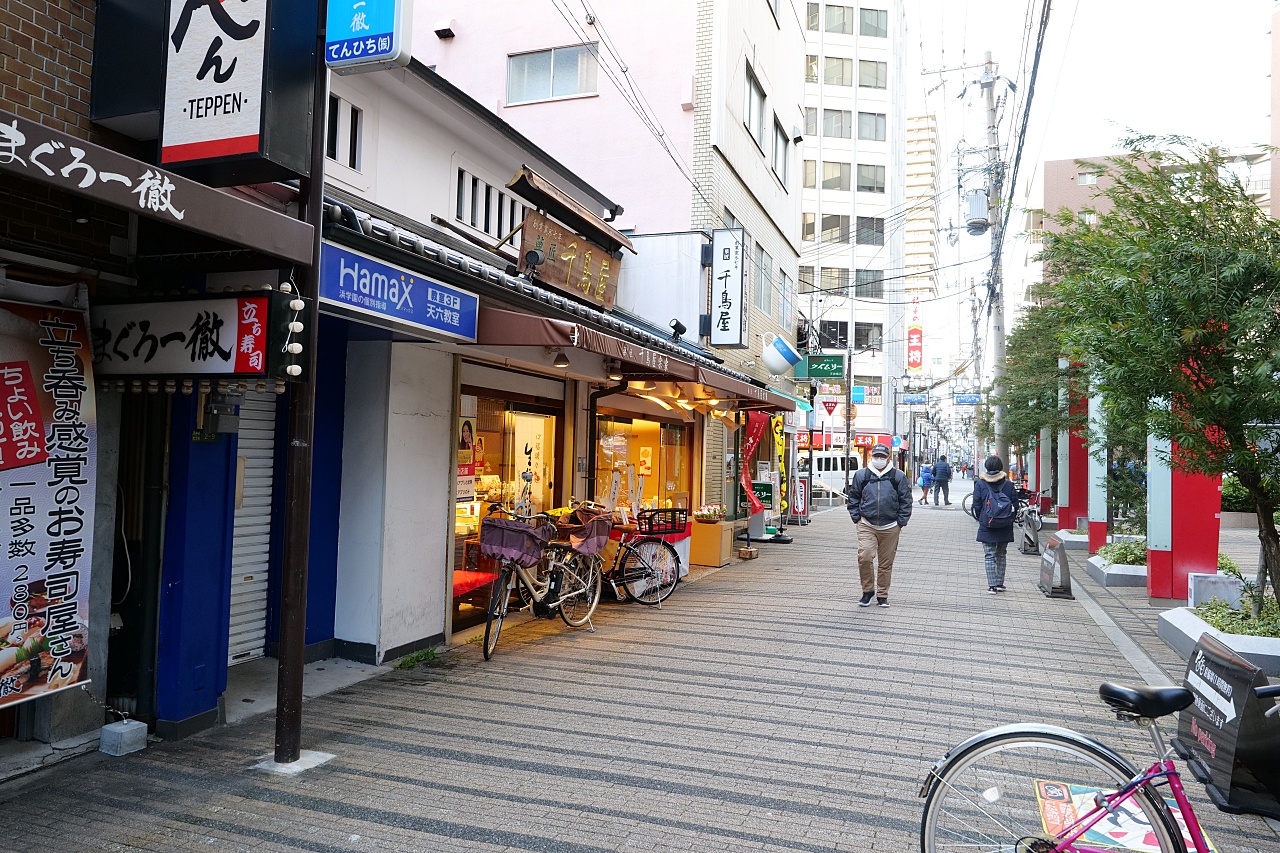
[(968, 399), (915, 398), (368, 290), (368, 35)]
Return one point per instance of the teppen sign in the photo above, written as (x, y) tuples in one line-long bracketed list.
[(573, 265)]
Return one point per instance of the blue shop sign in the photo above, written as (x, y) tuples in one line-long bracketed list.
[(909, 399), (968, 399), (858, 394), (366, 35), (360, 284)]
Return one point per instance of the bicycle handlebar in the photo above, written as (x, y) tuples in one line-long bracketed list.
[(1271, 691)]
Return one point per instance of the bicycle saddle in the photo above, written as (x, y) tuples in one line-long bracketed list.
[(1145, 701)]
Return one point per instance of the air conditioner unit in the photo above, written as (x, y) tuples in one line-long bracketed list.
[(976, 211)]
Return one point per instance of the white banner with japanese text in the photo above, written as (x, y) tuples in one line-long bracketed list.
[(48, 476), (728, 288)]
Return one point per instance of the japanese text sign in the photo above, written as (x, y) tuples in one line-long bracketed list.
[(366, 35), (968, 399), (728, 288), (53, 158), (47, 486), (380, 294), (915, 399), (915, 348), (822, 367), (220, 336), (573, 264), (213, 89), (757, 422)]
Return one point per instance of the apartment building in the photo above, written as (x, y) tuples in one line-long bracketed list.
[(853, 224)]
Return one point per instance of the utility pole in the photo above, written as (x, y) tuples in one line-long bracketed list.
[(995, 205)]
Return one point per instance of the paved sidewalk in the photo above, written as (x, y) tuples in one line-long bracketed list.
[(760, 710)]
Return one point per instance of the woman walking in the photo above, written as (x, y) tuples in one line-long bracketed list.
[(925, 482), (995, 499)]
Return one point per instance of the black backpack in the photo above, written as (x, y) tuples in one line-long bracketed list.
[(998, 509)]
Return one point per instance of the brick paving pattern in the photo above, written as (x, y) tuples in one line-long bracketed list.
[(760, 710)]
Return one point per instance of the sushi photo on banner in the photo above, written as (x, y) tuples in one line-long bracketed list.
[(48, 475)]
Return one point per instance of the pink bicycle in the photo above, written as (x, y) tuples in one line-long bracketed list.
[(1041, 789)]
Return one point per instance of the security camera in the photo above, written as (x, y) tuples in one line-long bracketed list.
[(677, 328)]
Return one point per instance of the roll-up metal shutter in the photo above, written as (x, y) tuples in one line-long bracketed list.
[(251, 547)]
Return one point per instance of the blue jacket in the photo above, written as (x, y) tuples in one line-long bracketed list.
[(981, 489), (880, 498), (926, 477), (942, 472)]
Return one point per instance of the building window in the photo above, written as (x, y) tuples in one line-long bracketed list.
[(837, 124), (812, 18), (730, 221), (868, 336), (835, 281), (1088, 217), (486, 207), (835, 228), (870, 179), (788, 297), (1086, 179), (781, 144), (840, 19), (545, 74), (810, 121), (873, 75), (810, 174), (833, 334), (871, 126), (806, 279), (753, 112), (837, 71), (344, 133), (873, 384), (810, 68), (806, 227), (875, 22), (835, 176), (870, 231), (763, 295), (869, 284)]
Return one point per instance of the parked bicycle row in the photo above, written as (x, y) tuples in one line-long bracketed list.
[(554, 562)]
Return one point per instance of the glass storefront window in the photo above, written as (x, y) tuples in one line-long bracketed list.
[(650, 462)]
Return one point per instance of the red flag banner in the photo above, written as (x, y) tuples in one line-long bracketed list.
[(757, 422)]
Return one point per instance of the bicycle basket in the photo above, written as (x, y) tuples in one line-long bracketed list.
[(656, 522), (590, 537), (507, 539)]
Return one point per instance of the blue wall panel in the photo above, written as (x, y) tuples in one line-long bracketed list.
[(195, 582)]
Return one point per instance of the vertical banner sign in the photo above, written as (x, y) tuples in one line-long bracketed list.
[(213, 80), (915, 339), (466, 459), (780, 451), (366, 35), (48, 468), (728, 289), (756, 423)]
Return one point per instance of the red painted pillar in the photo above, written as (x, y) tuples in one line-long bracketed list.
[(1183, 520)]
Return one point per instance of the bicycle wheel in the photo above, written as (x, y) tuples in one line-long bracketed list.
[(579, 590), (967, 505), (993, 798), (498, 603), (651, 571), (1037, 521)]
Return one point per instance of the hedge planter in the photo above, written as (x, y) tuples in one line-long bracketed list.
[(1181, 628), (1239, 521), (1115, 574)]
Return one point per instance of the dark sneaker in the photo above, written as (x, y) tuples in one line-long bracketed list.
[(882, 602), (999, 587), (993, 590), (866, 599)]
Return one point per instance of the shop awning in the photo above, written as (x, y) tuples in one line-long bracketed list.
[(802, 405), (511, 328)]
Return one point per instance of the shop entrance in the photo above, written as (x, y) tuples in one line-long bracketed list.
[(650, 462)]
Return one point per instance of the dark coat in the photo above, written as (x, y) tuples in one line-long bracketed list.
[(981, 489), (880, 498), (942, 472)]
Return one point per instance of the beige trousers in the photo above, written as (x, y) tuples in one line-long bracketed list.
[(876, 546)]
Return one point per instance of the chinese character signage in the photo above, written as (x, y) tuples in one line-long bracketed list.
[(48, 452), (219, 336), (213, 80), (573, 265), (728, 288), (915, 348), (374, 292), (366, 35)]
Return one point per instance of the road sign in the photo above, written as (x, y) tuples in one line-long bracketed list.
[(821, 367), (830, 406), (968, 399), (909, 399)]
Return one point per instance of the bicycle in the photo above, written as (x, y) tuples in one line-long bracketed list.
[(564, 584), (646, 568), (1043, 789)]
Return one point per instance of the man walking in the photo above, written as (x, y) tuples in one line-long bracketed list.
[(942, 480), (879, 502)]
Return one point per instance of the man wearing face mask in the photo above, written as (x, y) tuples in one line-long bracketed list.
[(879, 502)]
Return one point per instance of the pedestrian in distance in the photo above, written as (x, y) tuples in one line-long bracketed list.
[(996, 500), (942, 480), (925, 481), (879, 503)]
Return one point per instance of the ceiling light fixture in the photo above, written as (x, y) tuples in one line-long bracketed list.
[(561, 360), (613, 369)]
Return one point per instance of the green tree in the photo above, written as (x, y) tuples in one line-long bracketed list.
[(1171, 302)]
